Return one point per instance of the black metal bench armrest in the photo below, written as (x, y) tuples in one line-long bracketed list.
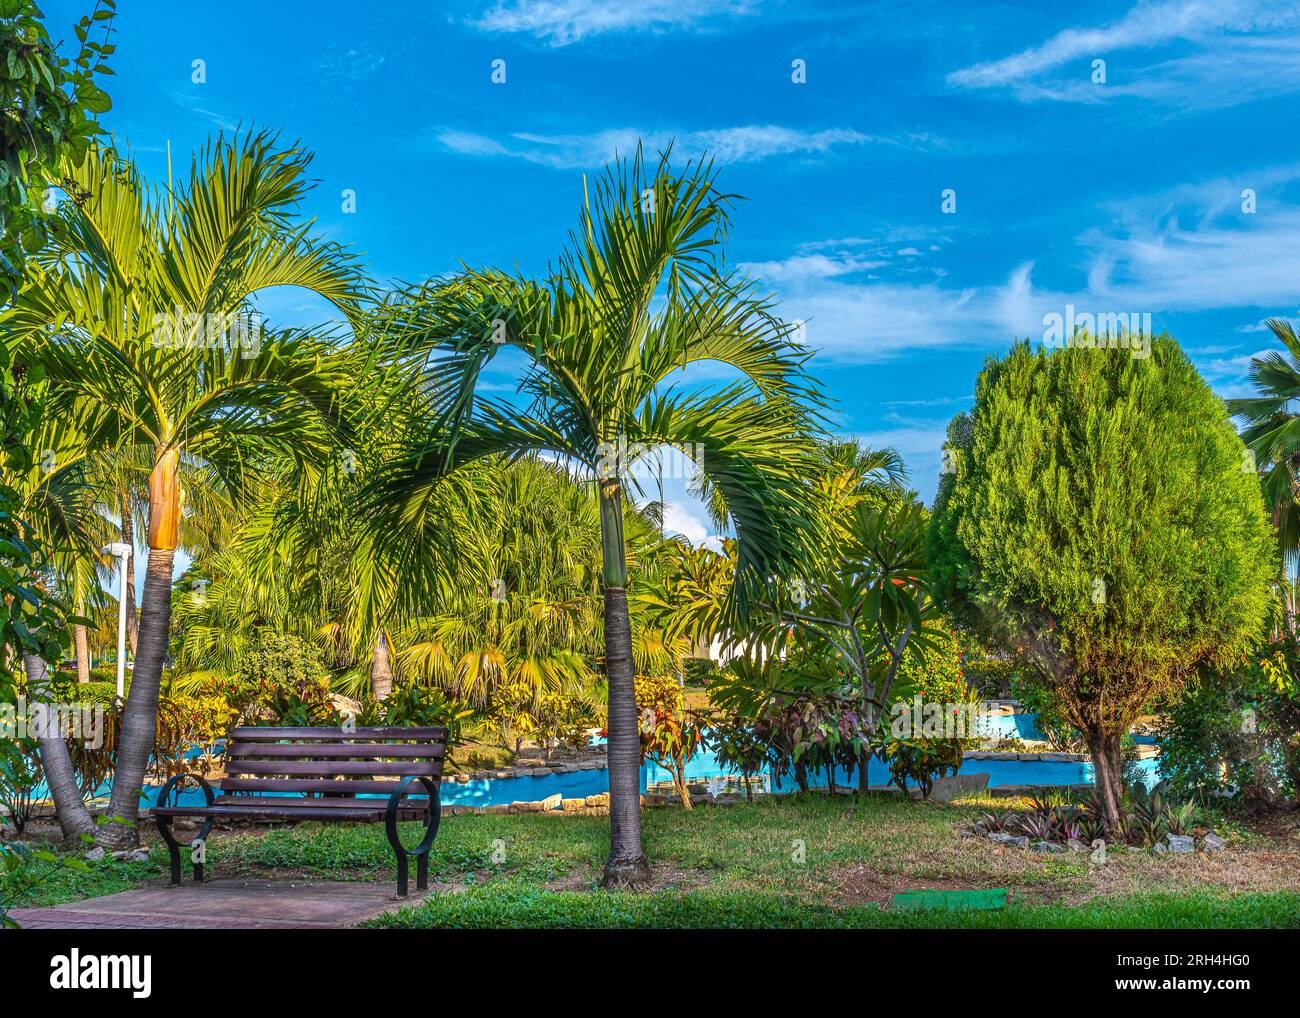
[(164, 825), (163, 792), (435, 814)]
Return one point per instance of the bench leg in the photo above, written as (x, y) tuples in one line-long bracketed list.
[(422, 872), (173, 848), (401, 874)]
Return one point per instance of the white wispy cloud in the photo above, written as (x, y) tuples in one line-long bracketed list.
[(1191, 249), (727, 145), (809, 266), (688, 521), (1202, 53), (194, 105), (563, 22)]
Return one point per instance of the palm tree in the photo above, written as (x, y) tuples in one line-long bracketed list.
[(640, 293), (138, 311), (1272, 434)]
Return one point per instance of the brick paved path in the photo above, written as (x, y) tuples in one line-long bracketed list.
[(225, 904)]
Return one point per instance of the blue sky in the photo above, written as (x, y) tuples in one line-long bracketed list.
[(1122, 195)]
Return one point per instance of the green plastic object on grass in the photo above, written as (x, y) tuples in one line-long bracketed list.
[(986, 899)]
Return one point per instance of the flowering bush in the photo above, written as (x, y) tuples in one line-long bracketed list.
[(670, 731), (939, 677)]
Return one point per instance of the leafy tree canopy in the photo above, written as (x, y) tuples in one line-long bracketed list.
[(1101, 521)]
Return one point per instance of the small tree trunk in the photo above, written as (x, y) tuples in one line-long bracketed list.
[(679, 779), (128, 538), (140, 716), (81, 644), (381, 672), (1108, 770), (60, 776), (627, 862)]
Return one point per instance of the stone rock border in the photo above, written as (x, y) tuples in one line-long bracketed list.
[(595, 762)]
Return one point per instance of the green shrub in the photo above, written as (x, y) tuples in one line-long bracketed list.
[(413, 705), (919, 760), (20, 773), (1238, 734), (281, 679), (698, 671)]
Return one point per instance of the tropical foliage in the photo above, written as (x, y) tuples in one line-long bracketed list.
[(49, 103)]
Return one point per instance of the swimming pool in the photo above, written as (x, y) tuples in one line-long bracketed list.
[(704, 768)]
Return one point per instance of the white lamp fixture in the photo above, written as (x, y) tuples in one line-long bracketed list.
[(120, 551)]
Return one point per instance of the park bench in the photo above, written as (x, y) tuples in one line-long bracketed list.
[(324, 774)]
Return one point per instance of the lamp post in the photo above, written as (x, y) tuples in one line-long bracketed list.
[(122, 552)]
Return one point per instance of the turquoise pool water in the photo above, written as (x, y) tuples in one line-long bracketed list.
[(704, 767)]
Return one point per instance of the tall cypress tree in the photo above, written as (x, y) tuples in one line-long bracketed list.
[(1100, 520)]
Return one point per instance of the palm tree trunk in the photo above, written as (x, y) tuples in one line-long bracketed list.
[(140, 715), (128, 538), (81, 644), (60, 777), (627, 862), (381, 672)]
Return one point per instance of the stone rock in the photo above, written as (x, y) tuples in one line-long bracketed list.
[(1075, 845), (1160, 848), (572, 805), (1001, 838), (553, 801), (540, 772), (947, 789), (1048, 847), (1181, 843), (1213, 843), (602, 799), (525, 807), (501, 807), (96, 854)]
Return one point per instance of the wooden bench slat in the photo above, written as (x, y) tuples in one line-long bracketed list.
[(307, 785), (330, 768), (430, 751), (272, 812), (314, 803), (259, 734)]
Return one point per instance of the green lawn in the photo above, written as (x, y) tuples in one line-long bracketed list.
[(791, 861), (513, 905)]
